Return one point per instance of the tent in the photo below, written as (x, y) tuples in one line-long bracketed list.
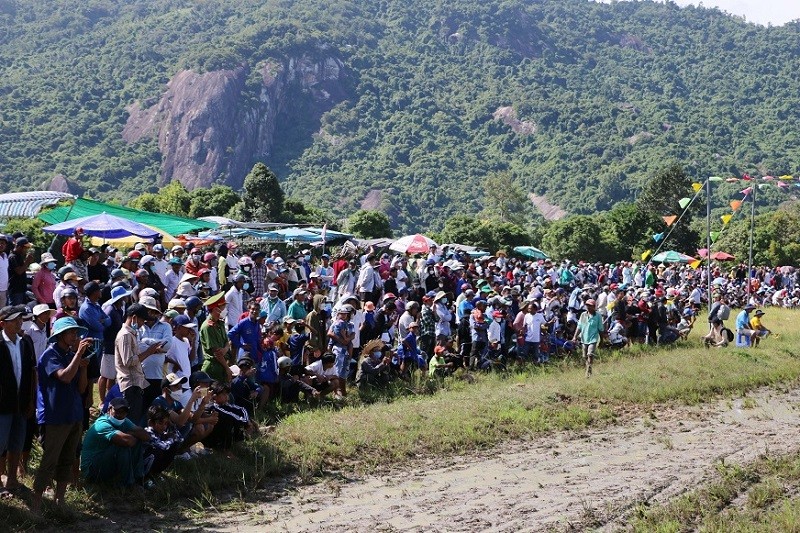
[(82, 207), (28, 204), (103, 225)]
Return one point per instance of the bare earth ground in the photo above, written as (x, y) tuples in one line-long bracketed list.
[(566, 481)]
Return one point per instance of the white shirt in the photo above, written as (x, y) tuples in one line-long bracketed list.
[(38, 336), (171, 282), (179, 351), (316, 368), (15, 351), (233, 299), (3, 272), (533, 327)]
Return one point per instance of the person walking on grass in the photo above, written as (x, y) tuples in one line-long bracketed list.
[(590, 328)]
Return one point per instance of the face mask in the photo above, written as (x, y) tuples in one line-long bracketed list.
[(307, 257), (224, 313), (326, 308), (135, 326), (246, 287), (51, 266), (498, 320), (246, 269), (444, 301), (176, 394), (116, 422)]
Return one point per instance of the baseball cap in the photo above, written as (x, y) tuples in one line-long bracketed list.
[(185, 321)]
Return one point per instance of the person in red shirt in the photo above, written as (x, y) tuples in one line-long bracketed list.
[(73, 248)]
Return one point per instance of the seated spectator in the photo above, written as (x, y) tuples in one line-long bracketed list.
[(246, 393), (186, 422), (291, 385), (324, 376), (112, 448), (758, 327), (438, 365), (616, 335), (375, 366), (233, 423), (164, 444)]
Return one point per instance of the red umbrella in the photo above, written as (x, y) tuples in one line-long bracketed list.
[(412, 244), (722, 256)]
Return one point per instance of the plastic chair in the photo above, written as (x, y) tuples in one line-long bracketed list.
[(742, 339)]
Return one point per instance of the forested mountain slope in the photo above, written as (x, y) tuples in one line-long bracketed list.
[(401, 105)]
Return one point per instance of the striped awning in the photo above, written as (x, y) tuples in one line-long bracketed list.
[(28, 204)]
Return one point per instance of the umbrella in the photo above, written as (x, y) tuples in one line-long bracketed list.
[(103, 225), (722, 256), (131, 240), (413, 244), (672, 256), (531, 252)]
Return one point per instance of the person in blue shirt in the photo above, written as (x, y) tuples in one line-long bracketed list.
[(245, 336), (297, 342), (62, 379), (743, 321)]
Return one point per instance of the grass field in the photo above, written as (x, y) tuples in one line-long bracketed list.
[(428, 418)]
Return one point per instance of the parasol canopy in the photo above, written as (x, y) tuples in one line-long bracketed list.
[(671, 256), (531, 252), (104, 226), (413, 244)]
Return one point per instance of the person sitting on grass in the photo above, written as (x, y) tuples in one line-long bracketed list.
[(297, 342), (408, 355), (291, 385), (112, 448), (244, 390), (182, 418), (233, 422), (616, 334), (324, 376), (743, 323), (758, 327), (375, 366), (165, 442), (686, 322), (438, 365)]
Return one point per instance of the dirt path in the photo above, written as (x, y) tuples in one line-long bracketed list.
[(560, 482)]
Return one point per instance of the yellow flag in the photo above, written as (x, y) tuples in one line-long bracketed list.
[(696, 263), (785, 177), (697, 186), (646, 254), (736, 204), (726, 218)]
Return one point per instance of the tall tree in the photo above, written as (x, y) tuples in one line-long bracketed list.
[(262, 196), (216, 201), (660, 197), (505, 200), (369, 224)]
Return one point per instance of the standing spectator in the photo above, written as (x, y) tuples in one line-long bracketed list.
[(73, 248), (235, 299), (3, 270), (590, 327), (18, 263), (17, 389), (44, 282), (96, 320), (128, 360), (214, 341), (115, 309), (62, 371)]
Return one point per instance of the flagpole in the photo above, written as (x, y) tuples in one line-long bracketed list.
[(708, 240), (750, 256)]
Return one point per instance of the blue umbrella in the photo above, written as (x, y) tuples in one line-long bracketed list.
[(104, 226)]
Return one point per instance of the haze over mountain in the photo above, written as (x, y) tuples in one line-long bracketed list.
[(402, 106)]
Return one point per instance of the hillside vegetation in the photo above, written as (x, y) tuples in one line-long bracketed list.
[(579, 101)]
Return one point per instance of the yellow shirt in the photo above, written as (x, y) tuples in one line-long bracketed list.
[(755, 323)]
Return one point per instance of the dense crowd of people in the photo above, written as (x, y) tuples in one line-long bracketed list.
[(185, 345)]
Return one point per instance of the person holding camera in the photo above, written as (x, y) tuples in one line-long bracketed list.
[(62, 380), (128, 360)]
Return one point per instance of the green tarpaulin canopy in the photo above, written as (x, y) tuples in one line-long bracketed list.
[(84, 208)]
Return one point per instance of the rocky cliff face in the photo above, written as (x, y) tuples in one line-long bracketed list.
[(210, 128)]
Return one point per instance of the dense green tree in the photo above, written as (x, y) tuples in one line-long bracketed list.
[(216, 201), (369, 224), (172, 199), (578, 237), (32, 228), (262, 197), (660, 197), (505, 200), (625, 229), (487, 234)]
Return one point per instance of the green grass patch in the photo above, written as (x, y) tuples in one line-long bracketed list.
[(764, 493)]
